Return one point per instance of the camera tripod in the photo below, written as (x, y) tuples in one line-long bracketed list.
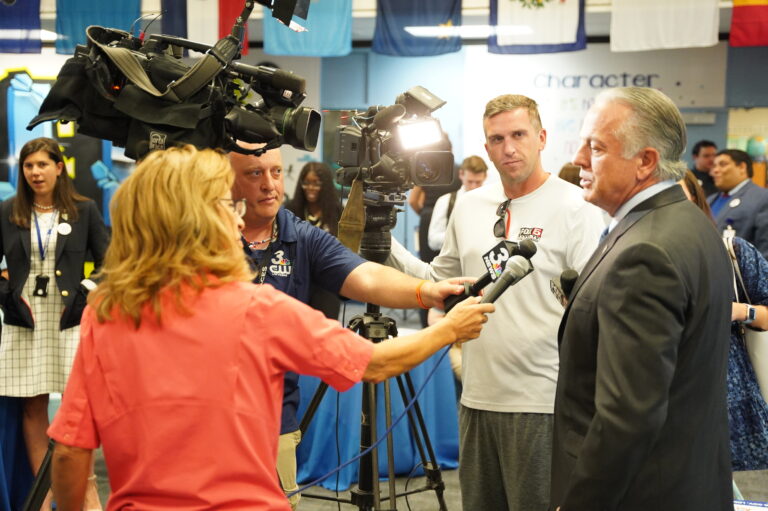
[(41, 483), (367, 496)]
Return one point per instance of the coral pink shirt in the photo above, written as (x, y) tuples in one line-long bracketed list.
[(188, 413)]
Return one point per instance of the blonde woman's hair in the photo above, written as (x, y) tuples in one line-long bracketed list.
[(169, 230)]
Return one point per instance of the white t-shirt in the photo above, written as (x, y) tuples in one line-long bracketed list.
[(513, 366), (439, 221)]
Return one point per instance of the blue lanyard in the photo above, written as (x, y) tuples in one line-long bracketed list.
[(40, 246)]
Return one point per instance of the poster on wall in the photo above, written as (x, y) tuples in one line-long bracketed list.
[(88, 159), (748, 130), (565, 85)]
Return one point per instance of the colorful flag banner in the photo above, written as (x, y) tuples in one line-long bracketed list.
[(74, 16), (410, 28), (749, 23), (329, 32), (556, 26), (202, 21), (663, 24), (174, 18), (20, 27)]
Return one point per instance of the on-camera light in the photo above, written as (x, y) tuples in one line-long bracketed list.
[(419, 133)]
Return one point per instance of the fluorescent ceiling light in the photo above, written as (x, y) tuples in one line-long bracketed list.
[(469, 31), (45, 36), (48, 36)]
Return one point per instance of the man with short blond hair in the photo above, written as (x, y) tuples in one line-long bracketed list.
[(507, 401)]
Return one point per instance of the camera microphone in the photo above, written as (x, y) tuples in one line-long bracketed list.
[(386, 117), (277, 78), (517, 268), (561, 287), (495, 260)]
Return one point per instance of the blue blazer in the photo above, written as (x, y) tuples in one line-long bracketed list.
[(88, 233), (748, 215)]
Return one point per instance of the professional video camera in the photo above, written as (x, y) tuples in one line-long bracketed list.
[(389, 150), (396, 147), (141, 96)]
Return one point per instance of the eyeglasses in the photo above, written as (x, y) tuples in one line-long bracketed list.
[(238, 206), (500, 227), (311, 184)]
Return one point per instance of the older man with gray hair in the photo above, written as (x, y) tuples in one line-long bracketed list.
[(640, 408)]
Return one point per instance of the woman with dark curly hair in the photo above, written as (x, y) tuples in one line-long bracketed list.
[(315, 199)]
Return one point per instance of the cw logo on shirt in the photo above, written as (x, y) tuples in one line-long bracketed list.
[(280, 267)]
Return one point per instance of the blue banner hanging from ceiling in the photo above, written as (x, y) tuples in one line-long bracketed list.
[(329, 32), (20, 27), (415, 29), (74, 16)]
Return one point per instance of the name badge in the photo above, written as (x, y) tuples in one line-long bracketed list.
[(64, 228)]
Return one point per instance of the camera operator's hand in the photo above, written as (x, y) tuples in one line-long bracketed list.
[(467, 318), (434, 293)]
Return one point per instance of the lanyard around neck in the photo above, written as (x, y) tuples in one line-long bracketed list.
[(43, 248)]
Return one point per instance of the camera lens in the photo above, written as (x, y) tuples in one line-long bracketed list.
[(432, 168), (300, 127), (424, 173)]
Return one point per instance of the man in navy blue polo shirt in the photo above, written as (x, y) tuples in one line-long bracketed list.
[(292, 255)]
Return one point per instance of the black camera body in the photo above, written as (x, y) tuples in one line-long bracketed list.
[(140, 95), (373, 150)]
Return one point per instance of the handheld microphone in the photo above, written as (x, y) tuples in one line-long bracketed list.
[(517, 268), (495, 260), (561, 287)]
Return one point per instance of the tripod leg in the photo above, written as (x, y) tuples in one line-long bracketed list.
[(375, 452), (41, 484), (421, 438), (366, 495), (390, 447), (312, 407)]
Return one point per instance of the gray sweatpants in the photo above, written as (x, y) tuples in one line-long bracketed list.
[(504, 460)]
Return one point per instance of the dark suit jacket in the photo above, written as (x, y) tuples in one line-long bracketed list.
[(749, 217), (88, 233), (640, 410)]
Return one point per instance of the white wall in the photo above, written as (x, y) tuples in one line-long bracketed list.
[(565, 84)]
